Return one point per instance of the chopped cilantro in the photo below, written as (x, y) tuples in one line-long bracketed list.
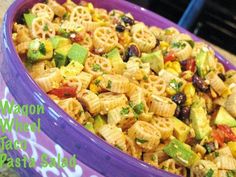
[(209, 173), (131, 104), (117, 146), (191, 43), (45, 28), (64, 33), (96, 67), (216, 154), (138, 108), (153, 158), (176, 85), (42, 49), (137, 140), (231, 173), (178, 45), (65, 16), (109, 84), (208, 148), (145, 78), (97, 82), (124, 111)]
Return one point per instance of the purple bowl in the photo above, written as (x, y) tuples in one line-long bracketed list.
[(75, 139)]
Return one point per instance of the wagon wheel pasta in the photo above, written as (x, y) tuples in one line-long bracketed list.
[(73, 108), (132, 148), (182, 50), (165, 126), (162, 106), (111, 100), (114, 136), (97, 65), (87, 41), (153, 93), (115, 83), (121, 116), (80, 14), (43, 10), (231, 103), (145, 135), (104, 39), (49, 79), (144, 39), (151, 158), (22, 48), (58, 9), (69, 26), (90, 100), (201, 168), (216, 83), (173, 167), (154, 85), (69, 5), (38, 26)]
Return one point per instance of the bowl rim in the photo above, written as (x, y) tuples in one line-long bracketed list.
[(7, 31)]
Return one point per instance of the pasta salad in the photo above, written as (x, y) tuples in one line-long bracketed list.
[(153, 93)]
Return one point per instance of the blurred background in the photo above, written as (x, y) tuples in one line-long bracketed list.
[(212, 20)]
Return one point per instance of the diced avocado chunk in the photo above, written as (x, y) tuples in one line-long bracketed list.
[(29, 19), (116, 61), (155, 59), (198, 116), (60, 56), (181, 130), (223, 117), (40, 50), (181, 153), (58, 42), (98, 122), (205, 62), (78, 53), (89, 126)]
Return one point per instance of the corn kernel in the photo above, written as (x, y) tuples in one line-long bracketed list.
[(176, 66), (232, 147), (164, 45), (213, 93), (90, 6), (189, 89), (93, 88), (168, 64), (172, 71), (187, 75), (170, 91)]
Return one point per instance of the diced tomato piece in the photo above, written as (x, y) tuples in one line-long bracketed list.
[(218, 136), (77, 38), (191, 64), (228, 133), (64, 92), (169, 57)]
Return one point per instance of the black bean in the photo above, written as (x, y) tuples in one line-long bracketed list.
[(184, 113), (222, 76), (210, 147), (120, 28), (132, 50), (200, 84), (183, 65), (127, 20), (177, 111), (179, 98)]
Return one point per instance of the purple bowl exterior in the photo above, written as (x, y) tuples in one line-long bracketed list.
[(75, 139)]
